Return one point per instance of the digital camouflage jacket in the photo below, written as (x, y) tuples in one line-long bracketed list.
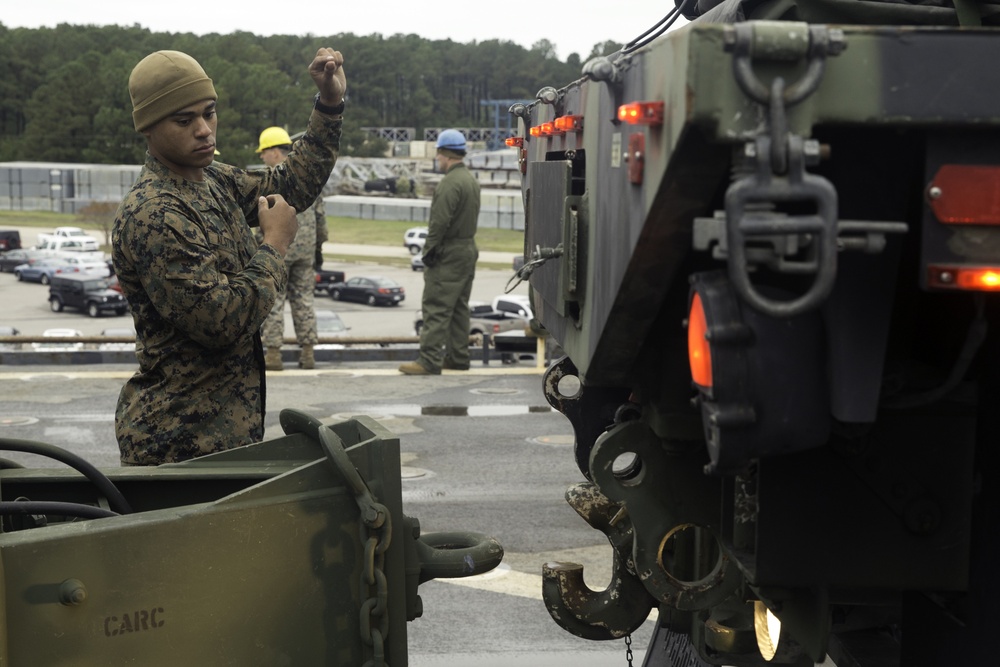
[(199, 287)]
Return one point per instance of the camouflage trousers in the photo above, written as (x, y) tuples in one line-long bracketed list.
[(301, 283)]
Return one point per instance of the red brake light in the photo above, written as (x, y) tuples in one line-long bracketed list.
[(641, 113)]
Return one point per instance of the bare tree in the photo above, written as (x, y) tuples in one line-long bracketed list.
[(99, 214)]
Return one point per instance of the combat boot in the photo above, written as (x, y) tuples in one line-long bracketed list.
[(306, 358), (272, 359), (417, 368)]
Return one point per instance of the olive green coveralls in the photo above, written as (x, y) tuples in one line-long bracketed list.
[(450, 256)]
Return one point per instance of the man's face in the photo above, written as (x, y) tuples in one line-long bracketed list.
[(185, 140), (442, 161), (272, 156)]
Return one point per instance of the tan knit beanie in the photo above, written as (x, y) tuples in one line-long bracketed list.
[(165, 82)]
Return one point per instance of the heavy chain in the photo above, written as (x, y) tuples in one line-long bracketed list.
[(374, 614), (376, 533), (628, 650)]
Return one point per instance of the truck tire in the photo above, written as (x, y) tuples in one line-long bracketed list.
[(93, 310), (56, 305)]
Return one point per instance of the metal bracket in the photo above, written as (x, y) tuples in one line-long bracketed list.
[(779, 160), (665, 496), (590, 410)]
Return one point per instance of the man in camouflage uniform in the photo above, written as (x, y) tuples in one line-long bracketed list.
[(450, 256), (198, 283), (304, 258)]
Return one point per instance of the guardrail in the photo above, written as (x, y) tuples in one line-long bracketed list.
[(20, 350)]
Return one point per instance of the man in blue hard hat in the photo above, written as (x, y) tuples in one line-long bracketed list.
[(450, 256)]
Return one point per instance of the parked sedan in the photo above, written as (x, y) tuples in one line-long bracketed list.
[(42, 270), (91, 264), (373, 290), (118, 332), (329, 325), (12, 259)]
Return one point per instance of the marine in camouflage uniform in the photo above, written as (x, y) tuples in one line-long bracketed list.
[(303, 259), (200, 287), (300, 261), (450, 256)]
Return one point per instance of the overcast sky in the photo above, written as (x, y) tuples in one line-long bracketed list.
[(573, 26)]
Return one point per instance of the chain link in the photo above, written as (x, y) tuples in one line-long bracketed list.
[(375, 525), (628, 650), (374, 614)]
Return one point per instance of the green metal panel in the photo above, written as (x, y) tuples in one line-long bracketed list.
[(637, 234), (267, 572)]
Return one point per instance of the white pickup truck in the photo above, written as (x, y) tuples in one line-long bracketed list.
[(67, 238)]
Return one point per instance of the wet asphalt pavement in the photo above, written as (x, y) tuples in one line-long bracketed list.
[(481, 451)]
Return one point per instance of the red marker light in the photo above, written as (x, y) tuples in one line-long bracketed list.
[(514, 142), (981, 278), (641, 113), (571, 123)]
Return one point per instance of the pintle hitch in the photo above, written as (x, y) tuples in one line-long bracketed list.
[(597, 615)]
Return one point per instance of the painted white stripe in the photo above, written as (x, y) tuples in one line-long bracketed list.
[(507, 581)]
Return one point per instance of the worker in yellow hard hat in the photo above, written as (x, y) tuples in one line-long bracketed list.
[(303, 260), (273, 137)]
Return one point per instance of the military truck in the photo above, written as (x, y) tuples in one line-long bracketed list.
[(768, 243)]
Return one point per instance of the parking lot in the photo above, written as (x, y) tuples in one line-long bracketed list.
[(26, 305)]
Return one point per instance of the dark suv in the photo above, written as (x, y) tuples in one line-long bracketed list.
[(88, 294)]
